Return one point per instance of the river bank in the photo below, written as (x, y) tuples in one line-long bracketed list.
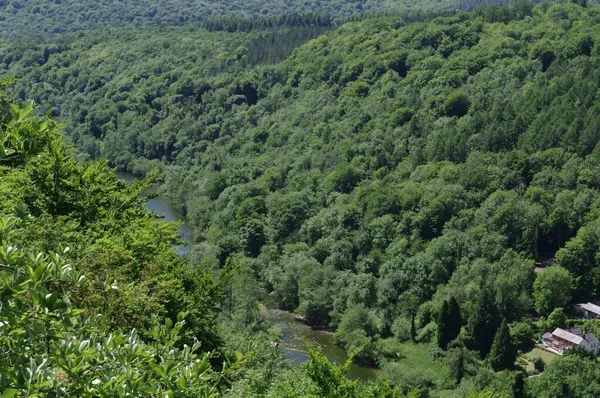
[(161, 204), (295, 335)]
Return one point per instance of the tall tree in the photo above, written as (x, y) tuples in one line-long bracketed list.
[(503, 354), (448, 323), (455, 320), (409, 302), (483, 322), (443, 332)]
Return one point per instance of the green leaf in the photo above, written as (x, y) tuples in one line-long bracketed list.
[(11, 392)]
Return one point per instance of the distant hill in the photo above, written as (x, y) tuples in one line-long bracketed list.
[(35, 17)]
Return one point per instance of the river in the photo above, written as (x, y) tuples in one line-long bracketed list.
[(295, 335), (160, 204)]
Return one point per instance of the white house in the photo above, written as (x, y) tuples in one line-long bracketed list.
[(562, 340)]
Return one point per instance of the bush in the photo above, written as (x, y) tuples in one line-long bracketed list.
[(427, 333), (401, 328), (538, 364)]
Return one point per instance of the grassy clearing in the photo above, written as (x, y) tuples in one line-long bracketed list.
[(536, 352), (416, 365)]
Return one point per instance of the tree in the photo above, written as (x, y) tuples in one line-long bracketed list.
[(502, 354), (254, 237), (581, 352), (538, 364), (455, 320), (483, 322), (46, 336), (457, 104), (357, 331), (556, 319), (456, 364), (552, 288), (518, 387), (443, 337), (565, 377), (409, 303), (522, 335), (448, 323)]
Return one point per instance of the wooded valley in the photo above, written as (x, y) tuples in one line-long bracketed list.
[(421, 181)]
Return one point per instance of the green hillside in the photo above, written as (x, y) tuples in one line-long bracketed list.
[(42, 17), (395, 180)]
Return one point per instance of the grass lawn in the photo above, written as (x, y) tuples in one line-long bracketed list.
[(416, 364), (536, 352)]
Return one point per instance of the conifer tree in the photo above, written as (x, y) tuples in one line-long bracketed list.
[(502, 355), (454, 318), (443, 327), (518, 388), (448, 323), (483, 323)]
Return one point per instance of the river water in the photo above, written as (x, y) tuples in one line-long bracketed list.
[(295, 335), (160, 204)]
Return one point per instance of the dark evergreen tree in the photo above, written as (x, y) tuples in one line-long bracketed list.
[(454, 319), (443, 332), (503, 354), (483, 323), (518, 388)]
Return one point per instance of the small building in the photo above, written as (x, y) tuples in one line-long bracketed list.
[(562, 340), (589, 310)]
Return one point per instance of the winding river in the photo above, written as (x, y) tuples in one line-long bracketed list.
[(295, 335)]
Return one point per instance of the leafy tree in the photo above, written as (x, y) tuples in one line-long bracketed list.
[(581, 352), (566, 376), (522, 335), (551, 289), (254, 237), (457, 104), (357, 331), (557, 319), (539, 364)]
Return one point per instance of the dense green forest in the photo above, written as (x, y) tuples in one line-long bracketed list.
[(395, 179), (41, 17), (95, 301)]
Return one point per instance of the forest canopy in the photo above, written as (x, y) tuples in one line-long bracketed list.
[(425, 183), (42, 17)]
